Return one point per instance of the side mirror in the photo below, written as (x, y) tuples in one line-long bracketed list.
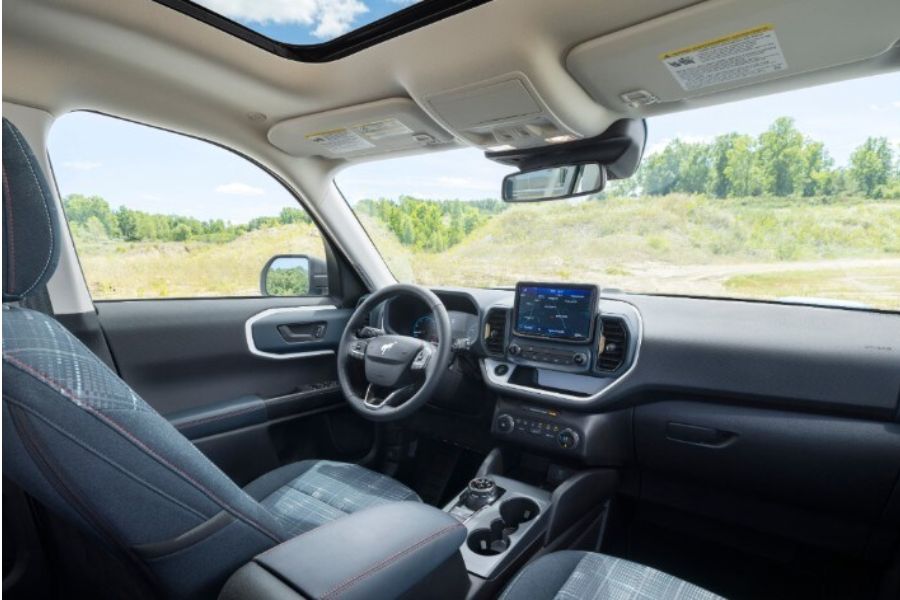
[(294, 275), (554, 183)]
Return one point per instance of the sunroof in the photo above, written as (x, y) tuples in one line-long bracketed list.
[(319, 30), (304, 21)]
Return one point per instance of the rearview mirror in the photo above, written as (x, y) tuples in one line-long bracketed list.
[(554, 183), (294, 275)]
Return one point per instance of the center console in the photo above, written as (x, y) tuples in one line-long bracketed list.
[(503, 518), (508, 521)]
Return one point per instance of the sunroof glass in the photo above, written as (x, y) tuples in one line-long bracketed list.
[(304, 22)]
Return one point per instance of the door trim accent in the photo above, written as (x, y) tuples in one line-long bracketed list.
[(251, 345)]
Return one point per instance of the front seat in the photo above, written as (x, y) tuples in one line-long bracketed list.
[(80, 441), (577, 575)]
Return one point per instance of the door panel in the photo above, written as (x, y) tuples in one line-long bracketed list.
[(224, 374), (193, 354)]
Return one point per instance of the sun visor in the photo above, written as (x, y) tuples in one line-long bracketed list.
[(725, 44), (382, 127)]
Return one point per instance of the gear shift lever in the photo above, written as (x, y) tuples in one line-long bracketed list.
[(481, 492)]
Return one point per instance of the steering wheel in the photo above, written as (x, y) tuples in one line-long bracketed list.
[(402, 372)]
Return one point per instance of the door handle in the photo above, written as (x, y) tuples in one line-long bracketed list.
[(302, 332), (699, 435)]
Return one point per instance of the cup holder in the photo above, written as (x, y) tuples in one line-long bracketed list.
[(490, 542), (495, 540), (516, 511)]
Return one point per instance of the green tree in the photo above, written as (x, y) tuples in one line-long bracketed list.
[(781, 158), (871, 165), (693, 167), (718, 184), (742, 168), (290, 215), (813, 175), (659, 173), (128, 226), (80, 209), (181, 233)]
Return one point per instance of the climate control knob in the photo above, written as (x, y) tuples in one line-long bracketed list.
[(505, 423), (580, 358), (514, 350), (567, 439)]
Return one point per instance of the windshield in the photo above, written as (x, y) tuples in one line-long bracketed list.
[(790, 197)]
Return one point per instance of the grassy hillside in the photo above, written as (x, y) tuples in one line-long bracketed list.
[(847, 248), (117, 269), (682, 244)]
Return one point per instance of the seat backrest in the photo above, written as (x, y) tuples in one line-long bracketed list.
[(80, 441)]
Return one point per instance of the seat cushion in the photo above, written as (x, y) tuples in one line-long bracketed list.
[(306, 494), (573, 575)]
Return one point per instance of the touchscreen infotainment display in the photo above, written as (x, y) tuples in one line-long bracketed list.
[(555, 311)]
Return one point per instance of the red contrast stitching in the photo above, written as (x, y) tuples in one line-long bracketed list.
[(380, 565), (11, 263), (124, 432)]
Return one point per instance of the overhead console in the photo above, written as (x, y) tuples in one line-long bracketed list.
[(502, 114), (559, 342)]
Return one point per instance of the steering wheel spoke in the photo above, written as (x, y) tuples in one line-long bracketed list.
[(393, 399), (357, 348), (423, 358)]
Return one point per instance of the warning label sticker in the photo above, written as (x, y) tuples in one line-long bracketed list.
[(340, 141), (741, 55), (384, 128)]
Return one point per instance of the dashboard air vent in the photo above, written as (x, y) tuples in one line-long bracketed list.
[(613, 344), (495, 330)]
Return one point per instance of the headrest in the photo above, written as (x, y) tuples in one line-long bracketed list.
[(30, 220)]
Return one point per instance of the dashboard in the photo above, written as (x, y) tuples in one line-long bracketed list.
[(795, 355), (706, 397)]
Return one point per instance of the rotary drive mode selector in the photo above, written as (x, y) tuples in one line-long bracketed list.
[(481, 492)]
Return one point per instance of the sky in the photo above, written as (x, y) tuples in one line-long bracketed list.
[(156, 171), (304, 21)]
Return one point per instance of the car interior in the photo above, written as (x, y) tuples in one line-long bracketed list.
[(372, 437)]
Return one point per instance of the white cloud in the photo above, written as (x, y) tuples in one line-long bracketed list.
[(82, 165), (884, 107), (327, 18), (239, 189)]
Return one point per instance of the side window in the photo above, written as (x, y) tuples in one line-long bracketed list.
[(155, 214)]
